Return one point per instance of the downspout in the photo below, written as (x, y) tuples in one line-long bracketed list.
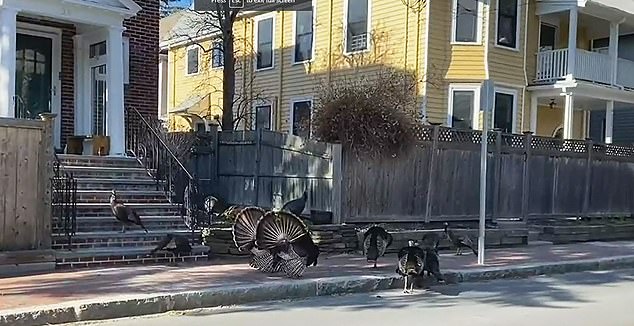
[(425, 58), (330, 44), (406, 37), (487, 38), (525, 59), (278, 113)]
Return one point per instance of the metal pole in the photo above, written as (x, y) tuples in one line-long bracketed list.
[(483, 185)]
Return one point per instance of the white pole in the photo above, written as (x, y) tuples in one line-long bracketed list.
[(486, 103)]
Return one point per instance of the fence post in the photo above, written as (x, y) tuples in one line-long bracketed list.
[(337, 169), (44, 182), (258, 157), (586, 194), (496, 173), (528, 137), (432, 167)]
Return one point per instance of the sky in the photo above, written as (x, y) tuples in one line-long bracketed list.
[(181, 3)]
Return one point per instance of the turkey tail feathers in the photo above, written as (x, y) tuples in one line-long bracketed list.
[(245, 227), (277, 228)]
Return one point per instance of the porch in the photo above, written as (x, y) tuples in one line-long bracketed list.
[(69, 58), (590, 41)]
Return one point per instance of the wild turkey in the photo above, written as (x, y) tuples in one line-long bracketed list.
[(432, 264), (411, 260), (459, 241), (375, 240), (244, 236), (285, 236), (178, 245), (296, 206), (431, 240), (124, 214)]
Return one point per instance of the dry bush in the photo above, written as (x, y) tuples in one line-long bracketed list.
[(371, 114)]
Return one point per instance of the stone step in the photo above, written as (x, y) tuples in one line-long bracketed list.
[(133, 237), (137, 196), (89, 160), (118, 256), (118, 184), (107, 172), (143, 209), (109, 223)]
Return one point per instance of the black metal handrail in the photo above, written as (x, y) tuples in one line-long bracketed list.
[(146, 143), (64, 200)]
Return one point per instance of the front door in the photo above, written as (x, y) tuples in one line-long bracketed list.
[(33, 76)]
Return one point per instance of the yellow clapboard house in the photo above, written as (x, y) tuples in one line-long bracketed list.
[(554, 64)]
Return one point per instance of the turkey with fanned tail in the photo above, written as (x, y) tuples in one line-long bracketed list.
[(285, 236), (244, 237), (375, 240), (411, 261)]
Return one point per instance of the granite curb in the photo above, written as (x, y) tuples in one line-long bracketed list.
[(155, 303)]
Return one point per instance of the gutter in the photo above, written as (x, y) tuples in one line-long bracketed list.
[(524, 67)]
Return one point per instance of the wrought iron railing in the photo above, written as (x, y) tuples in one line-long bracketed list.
[(148, 144), (64, 200)]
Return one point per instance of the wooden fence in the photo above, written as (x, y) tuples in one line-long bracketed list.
[(26, 155), (268, 168), (528, 177)]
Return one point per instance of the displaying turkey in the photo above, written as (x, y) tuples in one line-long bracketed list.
[(375, 241), (296, 206), (411, 261), (177, 244), (244, 236), (432, 264), (124, 214), (459, 241), (286, 237)]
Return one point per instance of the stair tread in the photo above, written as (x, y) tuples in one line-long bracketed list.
[(121, 192), (110, 251), (94, 157), (148, 205), (128, 233), (104, 169), (147, 180), (144, 217)]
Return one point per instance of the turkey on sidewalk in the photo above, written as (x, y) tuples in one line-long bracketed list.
[(124, 214), (375, 241), (432, 264), (244, 236), (177, 244), (411, 260), (286, 237), (459, 241)]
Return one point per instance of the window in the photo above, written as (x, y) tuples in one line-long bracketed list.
[(264, 43), (192, 60), (261, 118), (507, 28), (217, 55), (464, 103), (97, 49), (504, 110), (466, 21), (301, 116), (357, 25), (547, 37), (303, 36)]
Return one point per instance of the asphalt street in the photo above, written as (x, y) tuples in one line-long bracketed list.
[(590, 298)]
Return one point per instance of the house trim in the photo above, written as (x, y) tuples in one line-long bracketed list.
[(256, 22), (476, 88)]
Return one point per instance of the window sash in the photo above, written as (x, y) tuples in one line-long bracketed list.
[(192, 61), (265, 43), (504, 111), (466, 21), (303, 36), (463, 104), (357, 25), (507, 23), (302, 118), (262, 117)]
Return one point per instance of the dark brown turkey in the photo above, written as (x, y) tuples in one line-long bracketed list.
[(459, 241), (244, 237), (287, 238), (124, 214), (176, 244), (296, 206), (375, 241), (411, 261)]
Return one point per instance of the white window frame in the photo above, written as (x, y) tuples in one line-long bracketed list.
[(189, 48), (312, 55), (292, 113), (479, 22), (271, 115), (346, 3), (506, 91), (256, 21), (211, 56), (476, 105), (517, 26)]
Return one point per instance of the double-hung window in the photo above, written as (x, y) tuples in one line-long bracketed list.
[(264, 44), (217, 55), (357, 26), (505, 109), (464, 104), (192, 60), (466, 21), (303, 36), (301, 117), (507, 27)]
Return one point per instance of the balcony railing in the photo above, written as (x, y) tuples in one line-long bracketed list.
[(596, 67)]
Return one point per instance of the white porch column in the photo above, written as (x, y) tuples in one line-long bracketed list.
[(115, 117), (609, 121), (7, 61), (568, 115), (572, 42), (533, 119), (614, 50)]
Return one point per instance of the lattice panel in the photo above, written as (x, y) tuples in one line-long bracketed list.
[(575, 146), (459, 136), (513, 141), (619, 151), (424, 133), (545, 143)]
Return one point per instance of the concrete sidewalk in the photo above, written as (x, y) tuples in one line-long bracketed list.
[(137, 290)]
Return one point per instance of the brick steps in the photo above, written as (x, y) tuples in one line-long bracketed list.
[(133, 237), (98, 240)]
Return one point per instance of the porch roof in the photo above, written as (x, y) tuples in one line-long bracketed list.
[(94, 12)]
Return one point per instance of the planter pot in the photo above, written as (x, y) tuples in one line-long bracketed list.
[(75, 145), (100, 145)]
